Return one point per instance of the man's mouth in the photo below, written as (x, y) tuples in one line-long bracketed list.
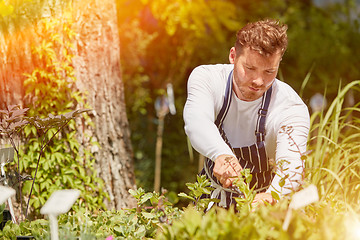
[(254, 89)]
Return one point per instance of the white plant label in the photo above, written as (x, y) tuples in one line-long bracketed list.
[(304, 197), (6, 193), (301, 199), (60, 202), (6, 154)]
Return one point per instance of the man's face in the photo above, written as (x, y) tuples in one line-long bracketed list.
[(253, 73)]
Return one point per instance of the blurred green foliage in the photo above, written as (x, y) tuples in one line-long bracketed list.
[(326, 39), (5, 9), (162, 41), (67, 161)]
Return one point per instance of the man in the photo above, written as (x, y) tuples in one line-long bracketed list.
[(240, 116)]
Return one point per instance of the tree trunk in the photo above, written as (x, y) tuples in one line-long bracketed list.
[(97, 68)]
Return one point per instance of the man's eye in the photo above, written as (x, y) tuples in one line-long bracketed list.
[(270, 72), (250, 68)]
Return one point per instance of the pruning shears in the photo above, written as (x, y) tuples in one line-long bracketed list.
[(237, 190)]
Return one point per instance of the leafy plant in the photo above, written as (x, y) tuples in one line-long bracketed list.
[(200, 187), (334, 161), (12, 120), (50, 90), (324, 220), (247, 194), (51, 150), (327, 219), (151, 216), (153, 211)]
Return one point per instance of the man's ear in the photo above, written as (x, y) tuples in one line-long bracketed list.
[(232, 55)]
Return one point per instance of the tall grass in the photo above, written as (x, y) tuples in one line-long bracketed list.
[(334, 162)]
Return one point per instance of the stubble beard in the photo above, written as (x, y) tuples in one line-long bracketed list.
[(247, 95)]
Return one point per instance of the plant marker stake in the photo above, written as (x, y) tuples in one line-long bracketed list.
[(59, 202), (6, 194), (300, 199), (7, 155), (163, 105), (170, 96), (54, 228), (162, 108)]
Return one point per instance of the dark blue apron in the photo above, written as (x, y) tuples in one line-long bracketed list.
[(253, 157)]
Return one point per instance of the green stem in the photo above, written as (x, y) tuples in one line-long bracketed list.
[(38, 161)]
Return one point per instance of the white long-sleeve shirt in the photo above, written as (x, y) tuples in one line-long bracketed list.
[(286, 127)]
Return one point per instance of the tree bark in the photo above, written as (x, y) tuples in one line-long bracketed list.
[(98, 65), (98, 72)]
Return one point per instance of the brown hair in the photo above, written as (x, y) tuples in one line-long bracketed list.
[(266, 37)]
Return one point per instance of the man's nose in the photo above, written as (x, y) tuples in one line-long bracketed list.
[(258, 81)]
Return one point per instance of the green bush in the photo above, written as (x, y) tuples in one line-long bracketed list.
[(152, 212), (156, 218)]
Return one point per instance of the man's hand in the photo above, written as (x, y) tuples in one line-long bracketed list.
[(226, 168), (261, 198)]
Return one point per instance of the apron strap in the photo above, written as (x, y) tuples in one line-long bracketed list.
[(260, 125), (227, 100)]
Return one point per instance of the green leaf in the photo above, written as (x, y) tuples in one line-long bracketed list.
[(132, 192), (275, 195), (140, 233), (186, 196), (145, 197), (148, 215), (26, 187), (282, 182), (334, 175)]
